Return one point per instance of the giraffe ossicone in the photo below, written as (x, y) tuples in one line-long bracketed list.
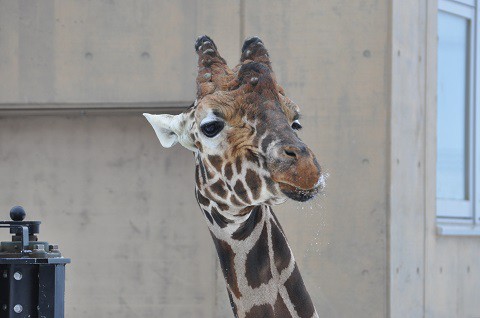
[(242, 129)]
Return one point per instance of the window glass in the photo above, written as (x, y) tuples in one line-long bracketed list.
[(452, 140)]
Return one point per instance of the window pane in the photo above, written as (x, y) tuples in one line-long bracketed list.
[(452, 151)]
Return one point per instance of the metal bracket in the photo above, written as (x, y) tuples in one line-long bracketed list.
[(25, 238)]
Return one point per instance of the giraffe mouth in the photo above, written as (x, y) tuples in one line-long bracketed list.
[(298, 194)]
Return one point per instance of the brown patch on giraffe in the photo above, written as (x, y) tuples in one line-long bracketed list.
[(249, 225), (208, 194), (246, 210), (219, 189), (234, 200), (276, 220), (202, 171), (264, 165), (198, 144), (280, 309), (257, 264), (223, 206), (207, 215), (270, 185), (226, 256), (216, 162), (210, 173), (241, 191), (250, 156), (261, 129), (254, 183), (266, 142), (197, 176), (232, 304), (221, 220), (260, 311), (298, 294), (238, 164), (228, 171), (281, 251), (202, 200)]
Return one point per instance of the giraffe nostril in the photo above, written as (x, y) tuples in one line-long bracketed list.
[(290, 153)]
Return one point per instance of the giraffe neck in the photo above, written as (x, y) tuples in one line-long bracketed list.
[(262, 276)]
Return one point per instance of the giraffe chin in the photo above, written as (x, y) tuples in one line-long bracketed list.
[(298, 194)]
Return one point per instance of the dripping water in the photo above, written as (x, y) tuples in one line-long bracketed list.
[(313, 211)]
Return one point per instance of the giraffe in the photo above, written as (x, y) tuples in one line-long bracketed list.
[(242, 129)]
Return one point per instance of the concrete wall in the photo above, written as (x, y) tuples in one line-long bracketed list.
[(407, 159), (123, 208)]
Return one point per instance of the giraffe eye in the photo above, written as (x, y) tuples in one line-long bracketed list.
[(296, 125), (212, 128)]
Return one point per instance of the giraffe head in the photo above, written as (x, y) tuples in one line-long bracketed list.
[(242, 129)]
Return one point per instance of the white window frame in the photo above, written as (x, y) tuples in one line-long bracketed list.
[(455, 217)]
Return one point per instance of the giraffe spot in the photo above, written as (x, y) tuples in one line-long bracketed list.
[(249, 225), (202, 200), (250, 156), (254, 183), (207, 215), (218, 188), (261, 128), (260, 311), (246, 210), (223, 206), (197, 143), (235, 201), (266, 142), (216, 162), (232, 303), (238, 164), (219, 218), (197, 176), (202, 171), (276, 220), (281, 251), (228, 171), (280, 309), (226, 256), (241, 191), (298, 294), (270, 185), (264, 165), (257, 264), (209, 172)]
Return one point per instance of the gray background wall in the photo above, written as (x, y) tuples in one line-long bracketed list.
[(77, 154)]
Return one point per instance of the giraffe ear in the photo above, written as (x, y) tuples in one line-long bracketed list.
[(168, 128)]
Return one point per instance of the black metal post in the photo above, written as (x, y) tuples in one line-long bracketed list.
[(32, 273)]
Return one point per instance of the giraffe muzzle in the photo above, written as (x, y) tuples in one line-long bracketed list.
[(297, 172)]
